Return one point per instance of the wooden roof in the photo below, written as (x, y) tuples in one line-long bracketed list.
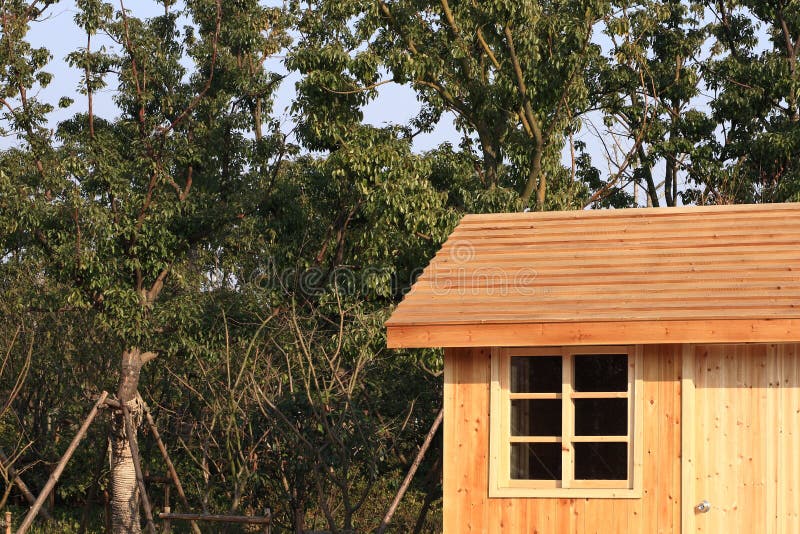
[(658, 275)]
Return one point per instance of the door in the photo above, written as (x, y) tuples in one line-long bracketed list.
[(741, 436)]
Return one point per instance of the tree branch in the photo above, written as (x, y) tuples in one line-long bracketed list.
[(409, 43), (535, 171), (358, 90), (207, 86), (488, 50)]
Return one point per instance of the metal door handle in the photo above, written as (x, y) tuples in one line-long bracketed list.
[(703, 507)]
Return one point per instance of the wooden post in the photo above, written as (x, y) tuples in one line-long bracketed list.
[(411, 472), (167, 524), (23, 488), (8, 522), (137, 466), (170, 467), (51, 482), (213, 518), (268, 526)]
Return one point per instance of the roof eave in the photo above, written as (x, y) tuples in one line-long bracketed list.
[(516, 334)]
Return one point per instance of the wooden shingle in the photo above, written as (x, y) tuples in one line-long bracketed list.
[(720, 274)]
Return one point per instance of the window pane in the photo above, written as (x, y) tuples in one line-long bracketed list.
[(536, 461), (601, 461), (601, 417), (536, 417), (601, 372), (536, 374)]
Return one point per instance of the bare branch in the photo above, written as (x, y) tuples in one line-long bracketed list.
[(358, 90)]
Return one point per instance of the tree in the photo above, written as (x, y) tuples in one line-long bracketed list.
[(649, 94), (371, 216), (754, 77), (702, 94), (120, 218), (513, 73)]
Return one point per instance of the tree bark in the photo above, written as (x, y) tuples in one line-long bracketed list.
[(491, 158), (652, 191), (125, 497)]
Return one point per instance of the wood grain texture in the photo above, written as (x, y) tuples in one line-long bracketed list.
[(693, 275), (466, 413), (742, 457), (783, 422), (467, 507), (595, 333), (688, 437)]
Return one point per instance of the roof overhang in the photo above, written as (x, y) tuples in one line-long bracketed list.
[(720, 274), (593, 333)]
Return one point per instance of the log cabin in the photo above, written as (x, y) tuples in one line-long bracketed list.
[(617, 371)]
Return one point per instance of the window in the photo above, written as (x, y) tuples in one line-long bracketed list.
[(564, 422)]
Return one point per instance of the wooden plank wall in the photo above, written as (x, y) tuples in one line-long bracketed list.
[(742, 445), (467, 507), (787, 403), (731, 435)]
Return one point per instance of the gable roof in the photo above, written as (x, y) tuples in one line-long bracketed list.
[(657, 275)]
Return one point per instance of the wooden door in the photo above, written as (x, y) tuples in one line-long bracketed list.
[(741, 430)]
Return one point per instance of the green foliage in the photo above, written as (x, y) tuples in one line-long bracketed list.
[(706, 90), (756, 103), (511, 72), (64, 522)]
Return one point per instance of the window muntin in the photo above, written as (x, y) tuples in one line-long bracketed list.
[(563, 422)]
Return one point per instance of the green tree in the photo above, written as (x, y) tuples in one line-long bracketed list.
[(649, 92), (371, 216), (120, 218), (699, 100), (513, 73), (754, 77)]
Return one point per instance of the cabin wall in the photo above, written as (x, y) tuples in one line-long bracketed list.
[(784, 420), (467, 507), (741, 438)]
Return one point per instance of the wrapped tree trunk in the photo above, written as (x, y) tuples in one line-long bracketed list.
[(125, 492)]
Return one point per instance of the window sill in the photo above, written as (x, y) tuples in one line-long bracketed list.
[(565, 493)]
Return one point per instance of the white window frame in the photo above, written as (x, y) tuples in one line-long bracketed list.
[(500, 482)]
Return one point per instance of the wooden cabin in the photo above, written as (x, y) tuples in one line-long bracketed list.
[(617, 371)]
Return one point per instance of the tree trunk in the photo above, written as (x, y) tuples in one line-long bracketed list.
[(299, 514), (652, 191), (491, 156), (536, 179), (124, 488), (125, 492)]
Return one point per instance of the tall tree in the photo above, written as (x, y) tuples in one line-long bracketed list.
[(754, 78), (699, 100), (650, 97), (121, 217), (513, 73)]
